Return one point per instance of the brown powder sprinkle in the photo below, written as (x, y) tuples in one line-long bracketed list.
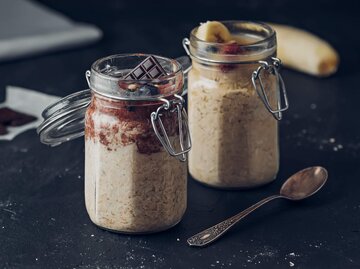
[(110, 122)]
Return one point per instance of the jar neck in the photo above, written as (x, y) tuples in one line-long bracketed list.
[(232, 73), (254, 42), (108, 77), (110, 103)]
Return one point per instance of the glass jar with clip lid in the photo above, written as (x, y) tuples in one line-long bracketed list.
[(136, 141), (236, 97)]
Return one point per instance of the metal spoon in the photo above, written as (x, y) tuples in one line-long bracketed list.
[(299, 186)]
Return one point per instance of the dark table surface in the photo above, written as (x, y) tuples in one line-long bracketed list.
[(43, 221)]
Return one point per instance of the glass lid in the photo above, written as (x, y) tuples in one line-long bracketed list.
[(64, 120)]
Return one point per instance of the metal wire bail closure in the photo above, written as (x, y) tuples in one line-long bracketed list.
[(186, 44), (273, 69), (173, 106)]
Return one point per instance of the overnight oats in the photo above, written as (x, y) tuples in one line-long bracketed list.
[(234, 125), (136, 140)]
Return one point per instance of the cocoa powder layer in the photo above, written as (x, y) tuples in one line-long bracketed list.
[(126, 122)]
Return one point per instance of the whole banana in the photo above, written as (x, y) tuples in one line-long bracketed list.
[(305, 52)]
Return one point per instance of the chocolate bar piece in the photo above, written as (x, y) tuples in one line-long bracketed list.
[(3, 130), (150, 68), (22, 121), (10, 117), (7, 115)]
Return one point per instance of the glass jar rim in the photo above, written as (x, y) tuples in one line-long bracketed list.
[(265, 26), (264, 45), (123, 55), (108, 77), (122, 103)]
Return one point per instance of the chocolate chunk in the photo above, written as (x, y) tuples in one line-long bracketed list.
[(139, 72), (150, 68), (7, 115), (148, 64), (3, 130), (10, 117), (22, 121)]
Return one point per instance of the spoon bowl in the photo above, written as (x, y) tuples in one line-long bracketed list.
[(304, 183)]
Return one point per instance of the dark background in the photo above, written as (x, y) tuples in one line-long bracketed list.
[(43, 221)]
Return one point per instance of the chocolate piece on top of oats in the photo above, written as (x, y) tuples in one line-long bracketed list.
[(150, 68)]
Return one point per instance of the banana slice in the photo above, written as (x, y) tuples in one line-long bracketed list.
[(305, 52), (213, 31)]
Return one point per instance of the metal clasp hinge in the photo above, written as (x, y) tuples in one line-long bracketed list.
[(273, 69), (173, 106)]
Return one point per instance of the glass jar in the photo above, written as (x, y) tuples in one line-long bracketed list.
[(136, 140), (234, 103)]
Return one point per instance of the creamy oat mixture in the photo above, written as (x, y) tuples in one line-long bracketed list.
[(132, 192), (235, 139)]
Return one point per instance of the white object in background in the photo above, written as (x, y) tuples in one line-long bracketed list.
[(28, 28), (26, 101)]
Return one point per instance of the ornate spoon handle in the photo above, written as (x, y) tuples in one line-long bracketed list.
[(213, 233)]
